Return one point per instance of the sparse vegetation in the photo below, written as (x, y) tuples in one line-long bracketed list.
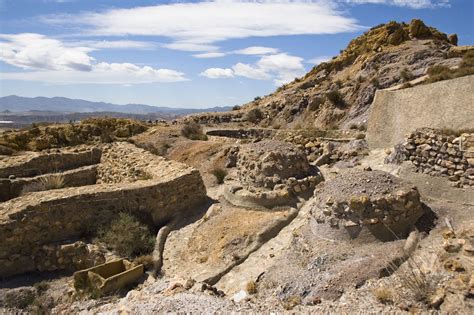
[(360, 136), (290, 302), (254, 115), (236, 107), (406, 75), (145, 260), (193, 131), (251, 287), (127, 236), (89, 131), (375, 82), (439, 72), (219, 174), (383, 295), (48, 182), (336, 98), (257, 98)]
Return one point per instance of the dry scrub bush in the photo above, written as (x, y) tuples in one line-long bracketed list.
[(290, 302), (439, 73), (254, 115), (335, 97), (145, 260), (127, 236), (219, 174), (383, 295), (251, 287), (193, 131)]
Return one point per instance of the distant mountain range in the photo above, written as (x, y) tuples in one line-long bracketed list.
[(18, 104)]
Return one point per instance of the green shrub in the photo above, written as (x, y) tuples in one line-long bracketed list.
[(375, 82), (236, 107), (219, 174), (257, 98), (335, 97), (127, 236), (193, 131), (254, 115)]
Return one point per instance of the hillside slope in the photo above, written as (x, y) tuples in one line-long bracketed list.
[(338, 93)]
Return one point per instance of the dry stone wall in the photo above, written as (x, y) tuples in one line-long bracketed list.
[(436, 154), (38, 163), (39, 219)]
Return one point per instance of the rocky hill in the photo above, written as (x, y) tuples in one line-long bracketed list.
[(338, 93)]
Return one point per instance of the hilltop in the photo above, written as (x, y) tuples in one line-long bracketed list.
[(338, 93)]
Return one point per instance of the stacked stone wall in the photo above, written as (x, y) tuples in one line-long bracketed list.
[(437, 154)]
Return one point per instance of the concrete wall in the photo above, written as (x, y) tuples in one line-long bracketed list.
[(445, 104)]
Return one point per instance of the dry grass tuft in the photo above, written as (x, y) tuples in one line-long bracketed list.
[(49, 182), (290, 302), (251, 287), (383, 295)]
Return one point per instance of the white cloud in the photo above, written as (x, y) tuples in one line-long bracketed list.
[(50, 60), (115, 44), (194, 26), (217, 73), (210, 55), (413, 4), (251, 72), (282, 68), (319, 59), (35, 51), (257, 50), (285, 67)]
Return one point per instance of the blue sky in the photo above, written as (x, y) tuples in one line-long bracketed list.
[(189, 53)]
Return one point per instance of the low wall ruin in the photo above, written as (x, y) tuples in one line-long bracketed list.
[(27, 223)]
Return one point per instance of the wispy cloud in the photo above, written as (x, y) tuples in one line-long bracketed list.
[(257, 50), (197, 26), (414, 4), (52, 61), (210, 55)]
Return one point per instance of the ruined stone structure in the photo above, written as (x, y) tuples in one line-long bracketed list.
[(445, 104), (386, 207), (156, 191), (436, 154), (271, 173)]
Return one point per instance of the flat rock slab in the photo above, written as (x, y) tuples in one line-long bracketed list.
[(223, 238)]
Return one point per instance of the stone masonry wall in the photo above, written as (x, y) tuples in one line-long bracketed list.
[(38, 163), (58, 216), (436, 154)]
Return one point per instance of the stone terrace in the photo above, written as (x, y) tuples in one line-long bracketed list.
[(128, 179)]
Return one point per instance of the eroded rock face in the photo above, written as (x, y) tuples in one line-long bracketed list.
[(269, 163), (384, 205)]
